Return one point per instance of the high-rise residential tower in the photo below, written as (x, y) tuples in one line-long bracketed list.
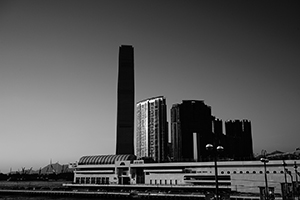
[(239, 139), (125, 101), (191, 130), (152, 131)]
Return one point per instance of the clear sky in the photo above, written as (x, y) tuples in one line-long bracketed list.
[(59, 65)]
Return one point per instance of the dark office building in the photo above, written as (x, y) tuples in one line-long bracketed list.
[(239, 139), (220, 138), (125, 101), (191, 130)]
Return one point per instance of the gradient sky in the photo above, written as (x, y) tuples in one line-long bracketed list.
[(59, 65)]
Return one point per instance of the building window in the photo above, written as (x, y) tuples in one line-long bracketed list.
[(228, 172), (247, 172), (274, 172), (165, 182), (260, 172), (98, 180), (77, 180), (82, 180), (222, 172), (106, 180), (254, 172), (234, 172), (175, 182), (93, 180), (241, 172), (87, 180), (151, 182)]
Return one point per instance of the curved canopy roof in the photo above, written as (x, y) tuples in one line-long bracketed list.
[(104, 159)]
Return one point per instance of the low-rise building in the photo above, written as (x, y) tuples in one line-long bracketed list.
[(238, 176)]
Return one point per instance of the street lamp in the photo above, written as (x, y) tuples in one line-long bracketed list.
[(265, 161), (290, 173), (285, 181), (284, 168), (296, 174), (214, 151)]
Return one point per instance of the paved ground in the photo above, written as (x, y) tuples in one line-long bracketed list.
[(46, 185)]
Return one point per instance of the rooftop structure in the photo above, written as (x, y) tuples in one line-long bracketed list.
[(104, 159)]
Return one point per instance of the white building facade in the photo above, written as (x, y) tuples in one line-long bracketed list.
[(237, 176), (151, 132)]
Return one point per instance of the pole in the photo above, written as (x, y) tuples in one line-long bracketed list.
[(266, 181), (284, 165), (216, 175), (296, 174), (265, 160), (293, 191), (215, 150), (285, 181)]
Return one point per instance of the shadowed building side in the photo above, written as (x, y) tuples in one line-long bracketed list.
[(191, 130), (220, 138), (125, 101), (239, 137)]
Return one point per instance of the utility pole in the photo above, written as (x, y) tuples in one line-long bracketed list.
[(296, 174)]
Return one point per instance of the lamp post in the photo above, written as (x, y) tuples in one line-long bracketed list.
[(265, 161), (290, 173), (214, 151), (296, 174), (285, 181)]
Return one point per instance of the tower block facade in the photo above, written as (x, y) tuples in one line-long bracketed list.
[(125, 101), (191, 130), (152, 129)]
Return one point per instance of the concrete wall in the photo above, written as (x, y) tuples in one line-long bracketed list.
[(164, 179)]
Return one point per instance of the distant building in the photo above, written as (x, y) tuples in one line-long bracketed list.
[(152, 129), (125, 101), (220, 138), (239, 139), (191, 130)]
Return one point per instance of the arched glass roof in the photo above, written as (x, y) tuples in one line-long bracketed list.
[(105, 159)]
